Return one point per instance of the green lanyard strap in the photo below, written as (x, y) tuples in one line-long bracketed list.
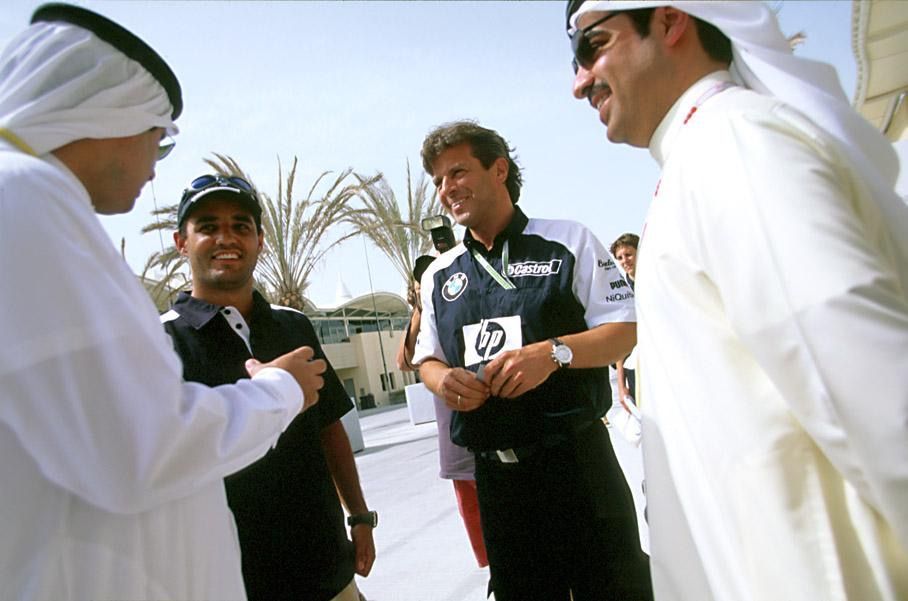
[(501, 278)]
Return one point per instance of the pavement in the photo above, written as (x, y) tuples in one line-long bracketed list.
[(422, 549)]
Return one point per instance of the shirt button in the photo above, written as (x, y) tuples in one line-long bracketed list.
[(226, 311), (239, 326)]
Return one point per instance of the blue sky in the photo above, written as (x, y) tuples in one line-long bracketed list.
[(359, 84)]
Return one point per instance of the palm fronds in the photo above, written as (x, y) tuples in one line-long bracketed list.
[(399, 237), (296, 230)]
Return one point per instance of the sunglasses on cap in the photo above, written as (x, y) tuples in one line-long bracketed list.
[(203, 182), (198, 187), (584, 53)]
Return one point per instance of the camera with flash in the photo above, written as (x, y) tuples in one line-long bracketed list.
[(439, 227)]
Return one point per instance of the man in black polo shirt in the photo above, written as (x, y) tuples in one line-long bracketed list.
[(290, 522), (519, 325)]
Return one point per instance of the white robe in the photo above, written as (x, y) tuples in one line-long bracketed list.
[(772, 363), (111, 467)]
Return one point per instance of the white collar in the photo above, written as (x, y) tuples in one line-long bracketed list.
[(663, 139)]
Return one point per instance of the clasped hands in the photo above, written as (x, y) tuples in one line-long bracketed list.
[(508, 376)]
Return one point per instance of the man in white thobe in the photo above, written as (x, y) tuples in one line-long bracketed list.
[(111, 467), (774, 259)]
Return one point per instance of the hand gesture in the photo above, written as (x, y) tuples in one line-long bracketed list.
[(513, 373), (307, 371), (461, 390)]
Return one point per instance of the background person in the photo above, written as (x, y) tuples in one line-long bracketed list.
[(624, 249), (528, 302), (290, 522), (408, 343), (775, 259), (112, 465), (456, 463)]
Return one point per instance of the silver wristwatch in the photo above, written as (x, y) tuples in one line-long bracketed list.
[(561, 353)]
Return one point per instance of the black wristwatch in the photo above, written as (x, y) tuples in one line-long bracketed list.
[(369, 518)]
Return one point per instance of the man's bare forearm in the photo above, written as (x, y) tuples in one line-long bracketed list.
[(602, 345), (342, 465)]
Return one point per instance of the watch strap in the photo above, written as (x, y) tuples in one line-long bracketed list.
[(369, 518)]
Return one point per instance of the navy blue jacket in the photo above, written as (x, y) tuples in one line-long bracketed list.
[(566, 282)]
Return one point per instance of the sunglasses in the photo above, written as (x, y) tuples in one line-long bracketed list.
[(206, 181), (584, 53), (165, 147), (203, 182)]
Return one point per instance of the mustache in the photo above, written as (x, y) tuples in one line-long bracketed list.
[(595, 88)]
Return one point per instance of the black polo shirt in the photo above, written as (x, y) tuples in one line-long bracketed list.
[(291, 525), (566, 282)]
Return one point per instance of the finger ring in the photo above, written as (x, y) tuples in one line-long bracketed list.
[(458, 401)]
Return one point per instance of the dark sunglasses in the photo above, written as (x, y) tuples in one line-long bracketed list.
[(584, 53)]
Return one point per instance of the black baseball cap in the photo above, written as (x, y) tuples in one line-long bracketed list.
[(420, 265), (229, 187)]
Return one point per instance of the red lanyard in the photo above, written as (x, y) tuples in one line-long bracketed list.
[(714, 89)]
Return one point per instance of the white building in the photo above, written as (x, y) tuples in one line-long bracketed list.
[(361, 337)]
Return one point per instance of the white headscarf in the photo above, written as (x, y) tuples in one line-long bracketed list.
[(763, 61), (60, 83)]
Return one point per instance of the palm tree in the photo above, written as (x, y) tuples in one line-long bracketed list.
[(294, 234), (295, 230), (171, 281), (400, 238), (169, 264)]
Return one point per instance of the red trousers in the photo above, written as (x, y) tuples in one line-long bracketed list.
[(468, 504)]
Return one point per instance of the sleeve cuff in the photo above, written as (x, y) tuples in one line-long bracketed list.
[(283, 385)]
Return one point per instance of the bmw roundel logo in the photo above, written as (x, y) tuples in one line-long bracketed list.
[(454, 287)]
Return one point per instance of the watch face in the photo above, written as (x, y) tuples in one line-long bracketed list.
[(563, 354)]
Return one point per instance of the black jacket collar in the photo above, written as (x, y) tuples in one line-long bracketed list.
[(515, 226), (197, 312)]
